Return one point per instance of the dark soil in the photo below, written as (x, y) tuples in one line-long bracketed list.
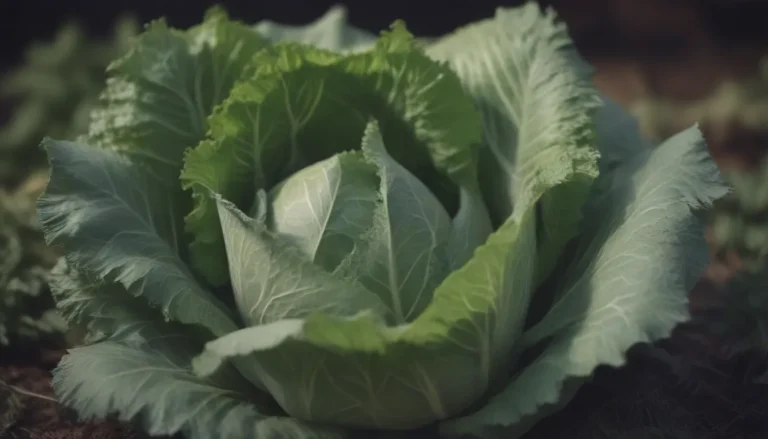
[(699, 394), (688, 386), (647, 400), (29, 414)]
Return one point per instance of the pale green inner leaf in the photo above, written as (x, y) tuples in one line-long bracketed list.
[(329, 32), (325, 208), (273, 280), (404, 257)]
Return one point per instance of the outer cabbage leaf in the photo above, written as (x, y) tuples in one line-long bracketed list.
[(627, 281), (357, 372), (618, 135), (148, 379), (118, 225), (104, 310), (329, 32), (281, 120), (160, 94), (537, 103), (162, 91)]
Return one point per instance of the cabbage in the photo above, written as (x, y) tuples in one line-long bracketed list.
[(267, 238)]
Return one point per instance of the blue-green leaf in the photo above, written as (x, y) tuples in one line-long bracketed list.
[(118, 224), (149, 380), (537, 103), (160, 94), (105, 310), (329, 32), (641, 253)]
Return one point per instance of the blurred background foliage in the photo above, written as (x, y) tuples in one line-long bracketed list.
[(51, 93)]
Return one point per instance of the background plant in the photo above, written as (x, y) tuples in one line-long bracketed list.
[(738, 223), (51, 94), (27, 310)]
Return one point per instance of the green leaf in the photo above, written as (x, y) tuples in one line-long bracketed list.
[(427, 95), (619, 141), (471, 226), (162, 91), (404, 256), (117, 224), (305, 105), (537, 104), (329, 32), (618, 135), (358, 373), (149, 381), (263, 118), (483, 304), (273, 280), (105, 310), (325, 208), (641, 253), (353, 372)]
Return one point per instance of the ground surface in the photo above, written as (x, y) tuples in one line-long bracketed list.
[(33, 417), (703, 397)]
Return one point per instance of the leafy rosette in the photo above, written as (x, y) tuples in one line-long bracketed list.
[(271, 239)]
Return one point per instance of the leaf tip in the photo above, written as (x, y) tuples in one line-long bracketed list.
[(216, 13), (206, 364)]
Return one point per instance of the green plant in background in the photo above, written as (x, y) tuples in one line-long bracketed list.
[(741, 103), (10, 409), (53, 92), (381, 234), (739, 221), (27, 310), (742, 320), (739, 230)]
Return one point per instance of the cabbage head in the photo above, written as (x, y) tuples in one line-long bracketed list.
[(312, 232)]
